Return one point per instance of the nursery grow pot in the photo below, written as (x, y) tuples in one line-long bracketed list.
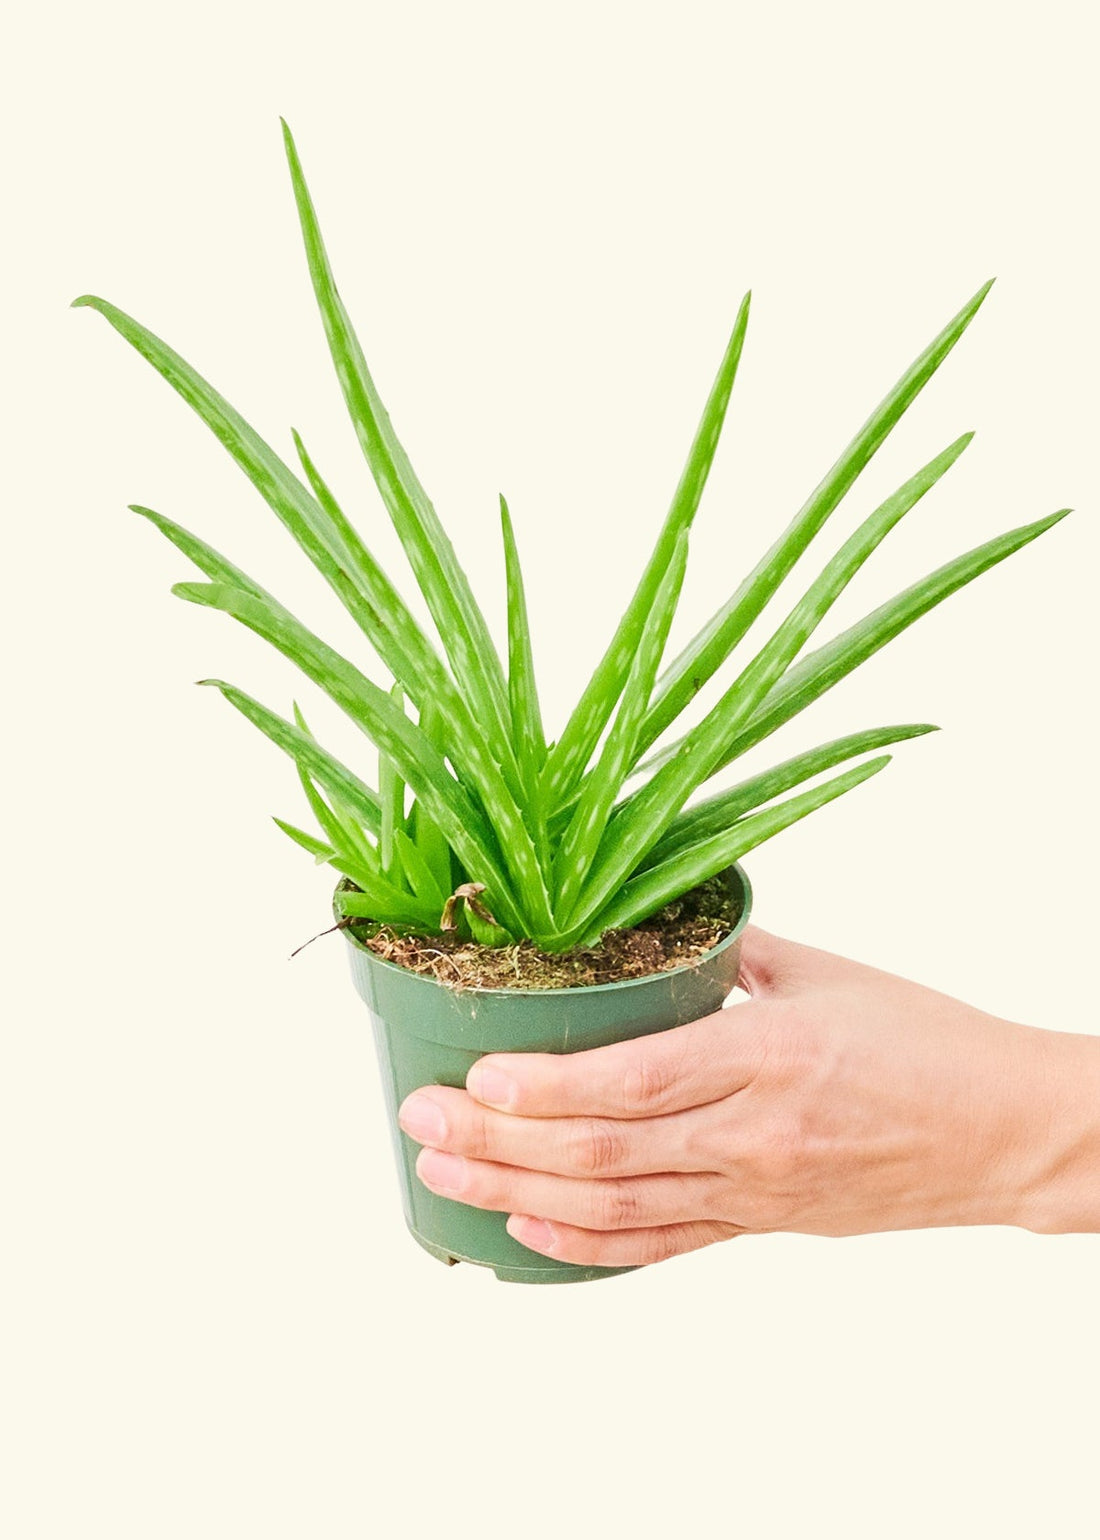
[(430, 1033)]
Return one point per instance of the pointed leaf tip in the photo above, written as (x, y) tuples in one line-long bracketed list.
[(1042, 525), (291, 148), (974, 304), (194, 593)]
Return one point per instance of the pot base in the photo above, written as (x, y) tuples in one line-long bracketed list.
[(568, 1272)]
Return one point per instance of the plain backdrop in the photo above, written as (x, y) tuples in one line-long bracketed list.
[(543, 219)]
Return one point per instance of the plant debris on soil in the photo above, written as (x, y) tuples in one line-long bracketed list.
[(675, 937)]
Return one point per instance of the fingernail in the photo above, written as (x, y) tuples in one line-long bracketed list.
[(422, 1120), (491, 1087), (535, 1234), (444, 1173)]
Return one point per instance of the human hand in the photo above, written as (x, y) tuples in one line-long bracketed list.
[(839, 1100)]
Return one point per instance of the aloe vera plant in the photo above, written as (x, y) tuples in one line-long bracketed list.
[(475, 819)]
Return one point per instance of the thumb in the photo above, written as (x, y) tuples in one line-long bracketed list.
[(771, 966)]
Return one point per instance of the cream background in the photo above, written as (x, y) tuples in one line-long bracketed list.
[(543, 219)]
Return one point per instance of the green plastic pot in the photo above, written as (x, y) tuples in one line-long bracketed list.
[(428, 1033)]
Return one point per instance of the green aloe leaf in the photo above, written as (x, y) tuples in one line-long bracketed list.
[(417, 759), (418, 873), (341, 783), (404, 648), (813, 675), (717, 639), (717, 813), (766, 668), (818, 671), (340, 830), (752, 685), (375, 580), (388, 728), (429, 838), (484, 933), (652, 889), (344, 831), (438, 572), (378, 897), (581, 840), (323, 533), (647, 814), (407, 652), (216, 566), (528, 738), (365, 874), (574, 749), (282, 491), (320, 852), (391, 794), (361, 870), (310, 757)]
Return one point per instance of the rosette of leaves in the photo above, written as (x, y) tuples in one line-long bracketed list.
[(475, 819)]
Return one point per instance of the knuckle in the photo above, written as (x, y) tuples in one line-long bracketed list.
[(779, 1151), (478, 1142), (617, 1206), (792, 1150), (649, 1078), (778, 1174), (660, 1245), (704, 1144), (674, 1240), (596, 1147)]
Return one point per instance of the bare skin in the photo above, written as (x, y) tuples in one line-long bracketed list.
[(838, 1100)]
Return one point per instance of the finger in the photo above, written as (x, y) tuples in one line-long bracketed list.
[(622, 1203), (449, 1119), (644, 1077), (616, 1248)]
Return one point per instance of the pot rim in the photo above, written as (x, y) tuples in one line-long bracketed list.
[(739, 873)]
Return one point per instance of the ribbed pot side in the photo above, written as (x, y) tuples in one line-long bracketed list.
[(428, 1033)]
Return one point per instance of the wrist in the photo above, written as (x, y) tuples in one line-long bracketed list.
[(1059, 1190)]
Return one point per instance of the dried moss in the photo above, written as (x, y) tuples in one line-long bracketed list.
[(674, 937)]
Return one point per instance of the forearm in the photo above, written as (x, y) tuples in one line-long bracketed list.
[(1062, 1192)]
